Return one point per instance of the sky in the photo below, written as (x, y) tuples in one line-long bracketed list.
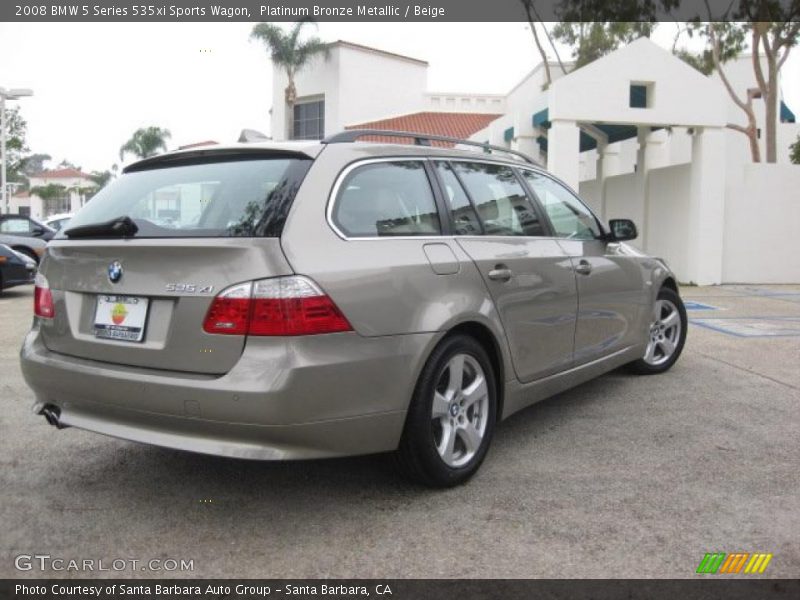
[(96, 83)]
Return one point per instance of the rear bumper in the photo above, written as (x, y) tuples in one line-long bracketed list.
[(320, 396)]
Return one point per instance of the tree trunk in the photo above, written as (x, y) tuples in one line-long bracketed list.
[(751, 131), (771, 103), (290, 95), (528, 4)]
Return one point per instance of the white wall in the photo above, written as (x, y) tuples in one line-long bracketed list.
[(667, 229), (663, 224), (375, 86), (600, 91), (357, 84), (466, 103), (623, 201), (762, 219)]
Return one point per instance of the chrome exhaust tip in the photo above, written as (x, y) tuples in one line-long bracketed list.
[(52, 414)]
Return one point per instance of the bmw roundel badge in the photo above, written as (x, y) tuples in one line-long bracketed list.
[(115, 271)]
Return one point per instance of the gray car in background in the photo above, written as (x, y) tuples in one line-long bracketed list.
[(305, 300)]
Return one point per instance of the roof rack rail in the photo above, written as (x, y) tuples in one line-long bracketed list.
[(421, 139)]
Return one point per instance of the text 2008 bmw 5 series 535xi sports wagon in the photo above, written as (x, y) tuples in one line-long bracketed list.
[(302, 300)]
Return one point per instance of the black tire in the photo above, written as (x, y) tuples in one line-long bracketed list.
[(29, 253), (417, 455), (641, 366)]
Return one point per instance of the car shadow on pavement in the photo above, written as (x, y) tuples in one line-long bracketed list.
[(154, 472), (15, 292)]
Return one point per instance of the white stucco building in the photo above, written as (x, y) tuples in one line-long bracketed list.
[(638, 133), (77, 187)]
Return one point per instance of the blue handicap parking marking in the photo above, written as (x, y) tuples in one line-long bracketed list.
[(692, 305), (753, 326)]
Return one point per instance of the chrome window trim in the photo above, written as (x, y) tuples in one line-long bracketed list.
[(431, 159)]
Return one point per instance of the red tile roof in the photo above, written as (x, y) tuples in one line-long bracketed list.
[(459, 125), (62, 174)]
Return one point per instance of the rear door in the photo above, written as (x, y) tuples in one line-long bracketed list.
[(610, 283), (203, 225), (527, 273)]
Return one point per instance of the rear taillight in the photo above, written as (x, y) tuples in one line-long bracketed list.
[(230, 311), (42, 298), (292, 305)]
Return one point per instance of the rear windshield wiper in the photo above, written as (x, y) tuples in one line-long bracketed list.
[(119, 227)]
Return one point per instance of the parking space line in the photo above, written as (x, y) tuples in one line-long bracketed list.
[(744, 327)]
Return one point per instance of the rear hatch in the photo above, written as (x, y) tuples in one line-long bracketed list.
[(137, 294)]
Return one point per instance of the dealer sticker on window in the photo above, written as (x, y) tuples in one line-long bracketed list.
[(120, 317)]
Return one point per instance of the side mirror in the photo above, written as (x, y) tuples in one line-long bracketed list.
[(622, 230), (37, 231)]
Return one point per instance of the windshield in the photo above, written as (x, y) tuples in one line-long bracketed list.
[(240, 197)]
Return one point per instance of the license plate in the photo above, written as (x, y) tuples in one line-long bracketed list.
[(120, 317)]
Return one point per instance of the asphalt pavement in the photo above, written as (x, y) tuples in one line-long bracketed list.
[(625, 476)]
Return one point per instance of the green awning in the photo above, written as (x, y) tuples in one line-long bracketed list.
[(542, 119), (587, 142), (508, 134), (615, 133), (787, 116)]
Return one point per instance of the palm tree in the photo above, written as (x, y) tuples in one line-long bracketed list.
[(287, 51), (145, 142)]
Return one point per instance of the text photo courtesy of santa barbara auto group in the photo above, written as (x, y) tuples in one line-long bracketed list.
[(449, 300)]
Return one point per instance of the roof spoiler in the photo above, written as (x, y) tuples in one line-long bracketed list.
[(422, 139)]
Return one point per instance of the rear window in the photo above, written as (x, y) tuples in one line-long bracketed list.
[(242, 197)]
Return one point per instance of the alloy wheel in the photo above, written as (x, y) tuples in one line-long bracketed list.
[(460, 410), (665, 333)]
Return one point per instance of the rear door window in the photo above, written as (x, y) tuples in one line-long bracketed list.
[(242, 197), (385, 199), (465, 219), (501, 202)]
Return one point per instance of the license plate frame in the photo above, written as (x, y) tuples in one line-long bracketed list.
[(120, 317)]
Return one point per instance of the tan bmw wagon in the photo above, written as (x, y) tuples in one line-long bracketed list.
[(318, 299)]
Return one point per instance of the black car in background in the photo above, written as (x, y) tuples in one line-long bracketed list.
[(25, 226), (15, 268), (31, 247)]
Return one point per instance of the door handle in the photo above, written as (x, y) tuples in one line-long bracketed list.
[(500, 273), (584, 267)]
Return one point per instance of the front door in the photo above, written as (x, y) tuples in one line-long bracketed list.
[(528, 274), (610, 281)]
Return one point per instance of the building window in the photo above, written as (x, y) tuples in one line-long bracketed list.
[(641, 95), (309, 121)]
